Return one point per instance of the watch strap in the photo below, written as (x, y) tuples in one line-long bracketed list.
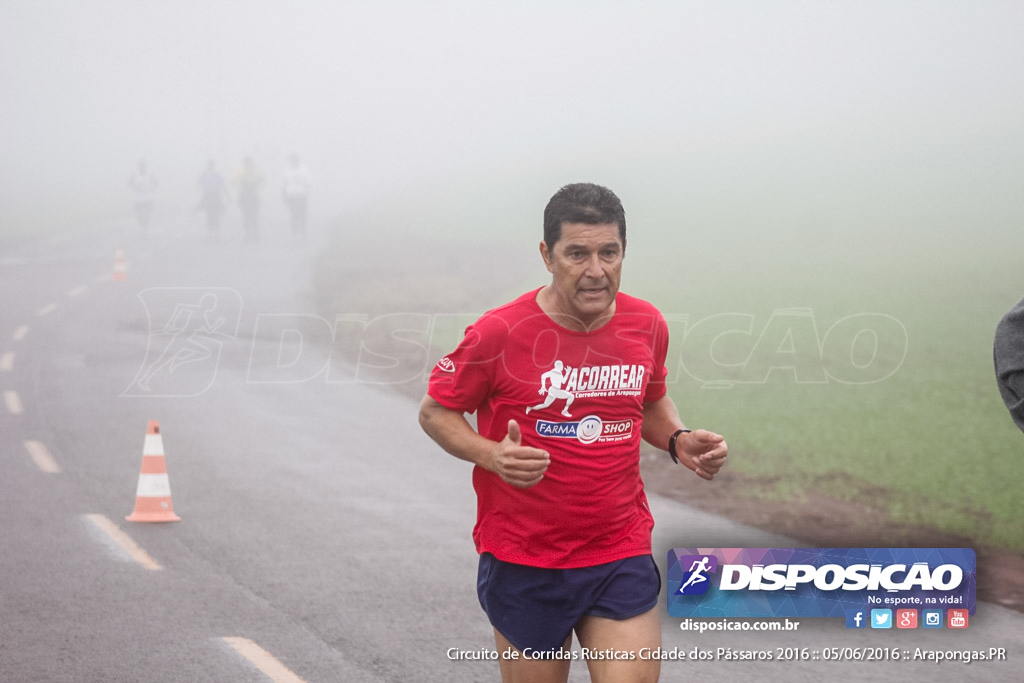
[(672, 443)]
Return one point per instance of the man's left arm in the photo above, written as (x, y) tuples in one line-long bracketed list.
[(702, 451)]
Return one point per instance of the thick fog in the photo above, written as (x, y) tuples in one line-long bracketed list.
[(790, 107)]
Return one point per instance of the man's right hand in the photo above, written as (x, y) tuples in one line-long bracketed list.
[(516, 464)]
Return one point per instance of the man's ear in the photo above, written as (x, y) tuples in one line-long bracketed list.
[(546, 255)]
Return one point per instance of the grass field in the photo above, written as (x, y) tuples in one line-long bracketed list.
[(920, 431)]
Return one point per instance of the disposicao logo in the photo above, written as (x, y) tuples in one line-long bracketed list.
[(696, 580), (819, 582)]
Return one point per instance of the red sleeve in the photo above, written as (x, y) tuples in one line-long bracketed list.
[(464, 378)]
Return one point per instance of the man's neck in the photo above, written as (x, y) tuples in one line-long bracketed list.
[(549, 304)]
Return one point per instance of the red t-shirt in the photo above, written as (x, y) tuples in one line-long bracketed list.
[(590, 507)]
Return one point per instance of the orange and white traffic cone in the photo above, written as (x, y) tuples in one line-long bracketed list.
[(120, 273), (153, 495)]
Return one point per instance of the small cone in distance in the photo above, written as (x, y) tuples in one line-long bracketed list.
[(153, 495), (120, 273)]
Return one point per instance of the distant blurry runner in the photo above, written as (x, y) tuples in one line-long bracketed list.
[(143, 185), (1008, 351), (211, 200), (297, 182), (248, 182)]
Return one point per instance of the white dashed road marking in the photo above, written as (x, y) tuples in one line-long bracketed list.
[(263, 660), (13, 402), (124, 541), (41, 456)]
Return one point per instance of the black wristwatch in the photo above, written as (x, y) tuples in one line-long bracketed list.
[(672, 443)]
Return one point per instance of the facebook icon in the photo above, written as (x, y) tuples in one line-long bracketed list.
[(855, 618)]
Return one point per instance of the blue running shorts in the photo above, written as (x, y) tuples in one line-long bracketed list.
[(536, 609)]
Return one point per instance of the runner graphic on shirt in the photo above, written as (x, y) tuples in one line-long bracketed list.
[(557, 378)]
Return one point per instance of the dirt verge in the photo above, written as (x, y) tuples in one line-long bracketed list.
[(819, 521)]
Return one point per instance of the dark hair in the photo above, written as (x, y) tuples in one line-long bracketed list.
[(582, 203)]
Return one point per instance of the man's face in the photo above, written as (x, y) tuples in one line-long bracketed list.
[(586, 265)]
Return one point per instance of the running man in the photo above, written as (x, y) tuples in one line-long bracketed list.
[(213, 191), (297, 183), (143, 185), (1008, 355), (563, 527)]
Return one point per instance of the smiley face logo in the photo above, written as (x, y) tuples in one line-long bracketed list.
[(589, 429)]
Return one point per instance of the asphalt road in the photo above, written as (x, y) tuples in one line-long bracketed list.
[(323, 537)]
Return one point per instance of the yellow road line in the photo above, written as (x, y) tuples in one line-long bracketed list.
[(13, 402), (7, 361), (124, 541), (20, 333), (263, 660), (44, 461), (76, 291), (46, 310)]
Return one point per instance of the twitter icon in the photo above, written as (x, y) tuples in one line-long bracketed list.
[(881, 618)]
